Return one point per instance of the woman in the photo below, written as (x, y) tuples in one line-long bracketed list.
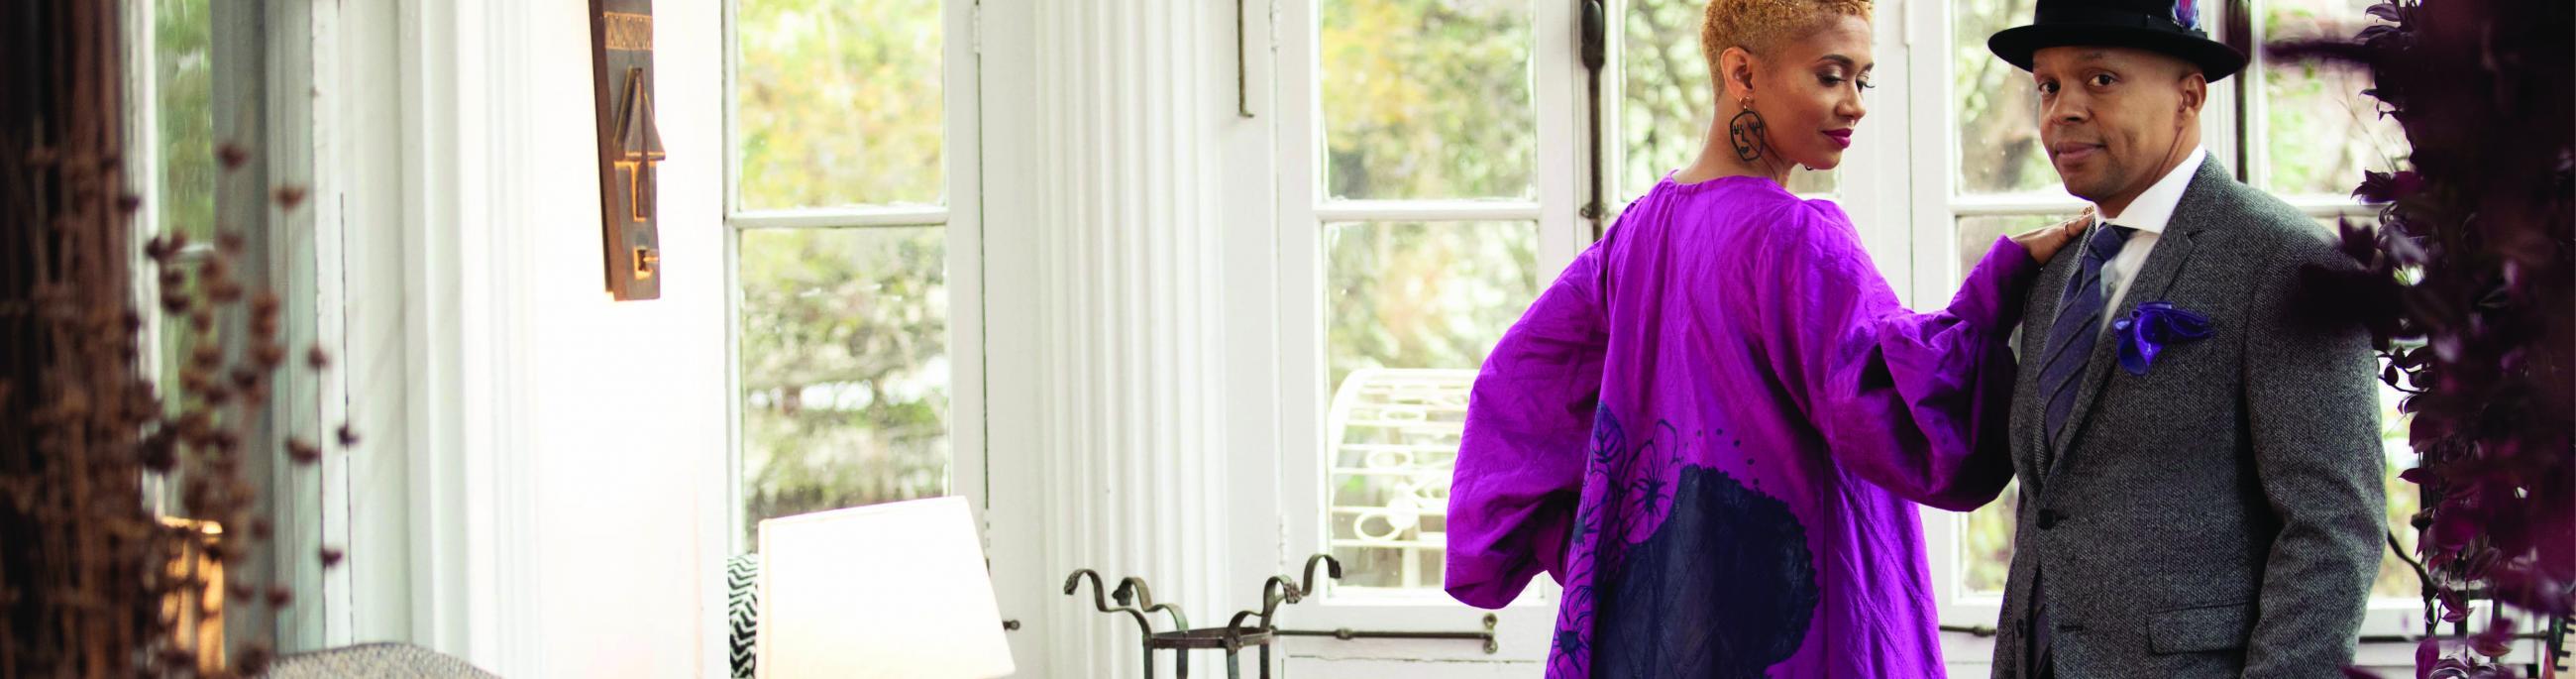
[(1712, 429)]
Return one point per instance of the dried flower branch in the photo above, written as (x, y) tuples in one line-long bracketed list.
[(94, 582)]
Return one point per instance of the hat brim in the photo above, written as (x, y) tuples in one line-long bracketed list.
[(2016, 45)]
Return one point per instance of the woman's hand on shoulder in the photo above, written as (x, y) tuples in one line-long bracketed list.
[(2045, 242)]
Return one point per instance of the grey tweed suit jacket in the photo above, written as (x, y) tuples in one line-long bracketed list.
[(2219, 516)]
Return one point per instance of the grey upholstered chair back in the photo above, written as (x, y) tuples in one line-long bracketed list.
[(375, 661)]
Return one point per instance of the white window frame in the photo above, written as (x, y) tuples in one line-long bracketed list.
[(1557, 91), (143, 177), (266, 48), (2231, 131), (1561, 188), (960, 218), (1907, 225)]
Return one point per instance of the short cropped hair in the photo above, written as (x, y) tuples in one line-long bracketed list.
[(1760, 26)]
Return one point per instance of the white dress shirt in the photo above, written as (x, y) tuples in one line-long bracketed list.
[(2148, 214)]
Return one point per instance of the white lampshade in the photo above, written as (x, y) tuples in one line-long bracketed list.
[(894, 590)]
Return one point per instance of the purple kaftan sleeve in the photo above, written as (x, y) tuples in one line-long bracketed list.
[(1914, 403), (1520, 462)]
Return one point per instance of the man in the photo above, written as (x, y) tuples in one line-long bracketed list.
[(2199, 464)]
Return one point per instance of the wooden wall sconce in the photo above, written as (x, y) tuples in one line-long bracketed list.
[(621, 61)]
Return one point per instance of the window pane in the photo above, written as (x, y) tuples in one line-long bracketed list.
[(1986, 535), (2320, 133), (183, 73), (1977, 234), (2396, 579), (1986, 543), (179, 337), (1396, 441), (183, 186), (1428, 99), (840, 102), (1664, 119), (1413, 309), (844, 368), (1998, 142)]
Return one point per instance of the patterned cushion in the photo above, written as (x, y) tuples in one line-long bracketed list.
[(742, 608)]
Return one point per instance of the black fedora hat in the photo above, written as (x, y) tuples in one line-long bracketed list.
[(2170, 27)]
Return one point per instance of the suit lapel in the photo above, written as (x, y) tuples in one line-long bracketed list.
[(2154, 281)]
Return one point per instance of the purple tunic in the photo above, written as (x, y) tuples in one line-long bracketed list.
[(1712, 430)]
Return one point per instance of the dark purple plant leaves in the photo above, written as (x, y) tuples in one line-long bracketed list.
[(2465, 287)]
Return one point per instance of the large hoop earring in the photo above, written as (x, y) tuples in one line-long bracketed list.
[(1744, 131)]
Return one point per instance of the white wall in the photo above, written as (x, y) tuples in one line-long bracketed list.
[(626, 410), (534, 494)]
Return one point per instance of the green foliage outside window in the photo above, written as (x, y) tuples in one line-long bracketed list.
[(1428, 99), (838, 102), (844, 331)]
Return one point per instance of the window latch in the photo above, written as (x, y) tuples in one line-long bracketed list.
[(1242, 87), (1596, 54)]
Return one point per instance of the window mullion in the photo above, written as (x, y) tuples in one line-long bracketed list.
[(839, 218), (2015, 205), (1428, 211), (143, 177), (732, 111), (1556, 65), (2239, 137)]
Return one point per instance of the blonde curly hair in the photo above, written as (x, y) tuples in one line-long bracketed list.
[(1759, 26)]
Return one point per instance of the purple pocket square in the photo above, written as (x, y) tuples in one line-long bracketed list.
[(2153, 327)]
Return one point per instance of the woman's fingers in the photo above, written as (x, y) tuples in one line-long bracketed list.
[(2043, 243)]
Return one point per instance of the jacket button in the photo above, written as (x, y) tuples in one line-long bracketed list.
[(2048, 518)]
